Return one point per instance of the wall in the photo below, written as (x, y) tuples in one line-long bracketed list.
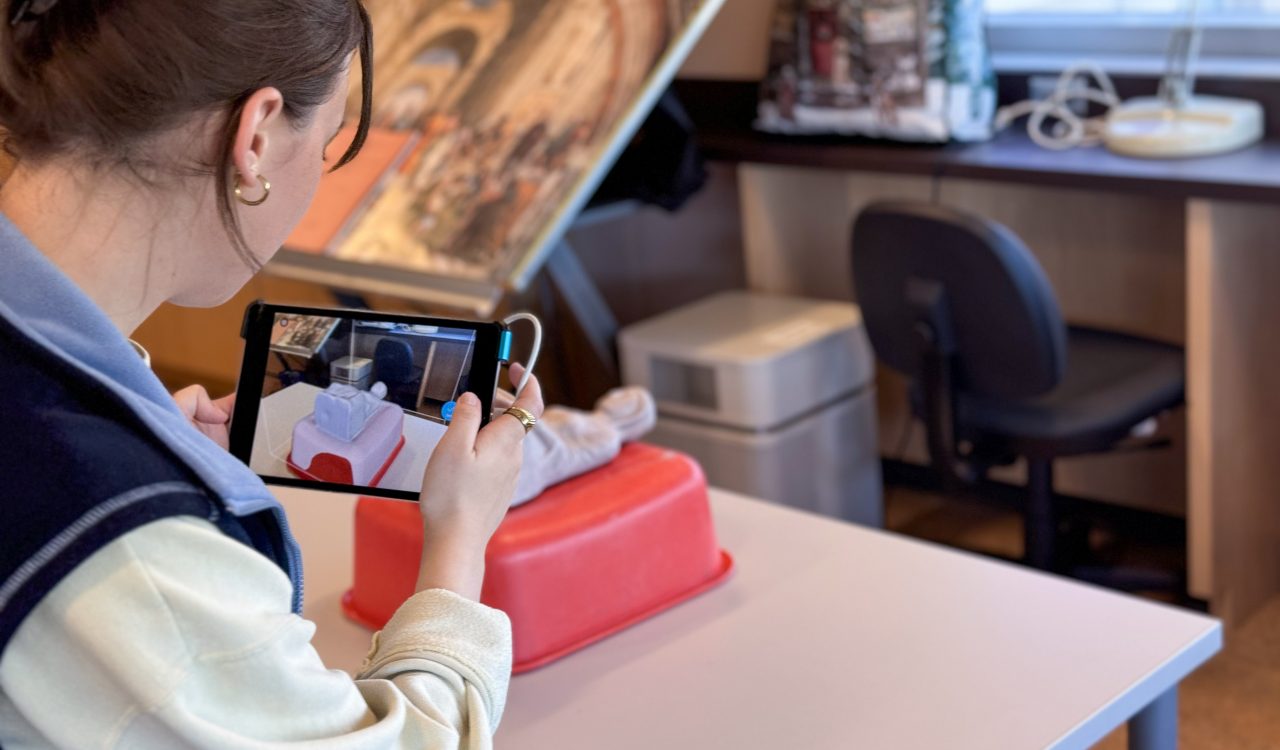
[(736, 46), (653, 261)]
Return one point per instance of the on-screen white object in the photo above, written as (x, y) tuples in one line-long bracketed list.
[(342, 411)]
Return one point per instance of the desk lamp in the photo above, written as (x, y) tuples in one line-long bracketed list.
[(1178, 123)]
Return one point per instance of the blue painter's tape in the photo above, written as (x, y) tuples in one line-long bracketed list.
[(504, 347)]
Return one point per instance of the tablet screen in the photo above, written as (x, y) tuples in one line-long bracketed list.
[(356, 401)]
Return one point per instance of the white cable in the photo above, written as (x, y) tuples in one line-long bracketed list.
[(1069, 129), (531, 319)]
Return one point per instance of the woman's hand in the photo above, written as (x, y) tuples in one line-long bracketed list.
[(213, 418), (467, 489)]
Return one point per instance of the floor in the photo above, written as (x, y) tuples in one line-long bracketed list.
[(1233, 702)]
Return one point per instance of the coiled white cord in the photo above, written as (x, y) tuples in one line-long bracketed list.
[(532, 320), (1069, 130)]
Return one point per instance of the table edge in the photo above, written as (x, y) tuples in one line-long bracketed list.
[(1168, 675)]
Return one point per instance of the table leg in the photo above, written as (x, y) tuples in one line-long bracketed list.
[(1156, 726)]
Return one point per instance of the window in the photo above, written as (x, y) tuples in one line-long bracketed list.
[(1207, 7), (1241, 38)]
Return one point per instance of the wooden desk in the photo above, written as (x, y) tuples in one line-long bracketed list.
[(832, 636), (723, 111), (1182, 251), (1249, 175)]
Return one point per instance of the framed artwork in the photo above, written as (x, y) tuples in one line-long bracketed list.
[(518, 109), (301, 335)]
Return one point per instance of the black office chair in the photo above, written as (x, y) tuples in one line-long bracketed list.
[(393, 366), (959, 305)]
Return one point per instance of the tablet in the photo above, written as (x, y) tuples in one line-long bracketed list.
[(353, 400)]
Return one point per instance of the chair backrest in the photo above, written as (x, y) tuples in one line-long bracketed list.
[(393, 360), (1008, 334)]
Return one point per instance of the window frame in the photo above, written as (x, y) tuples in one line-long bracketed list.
[(1233, 46)]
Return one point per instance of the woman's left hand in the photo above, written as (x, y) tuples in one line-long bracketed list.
[(211, 417)]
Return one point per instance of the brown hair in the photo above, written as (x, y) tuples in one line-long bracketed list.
[(99, 77)]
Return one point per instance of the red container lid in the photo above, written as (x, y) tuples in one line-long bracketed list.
[(588, 558)]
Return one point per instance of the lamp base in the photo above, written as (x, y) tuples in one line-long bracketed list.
[(1206, 125)]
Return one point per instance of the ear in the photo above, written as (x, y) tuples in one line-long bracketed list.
[(249, 150)]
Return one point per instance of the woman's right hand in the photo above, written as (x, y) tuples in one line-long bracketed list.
[(467, 489)]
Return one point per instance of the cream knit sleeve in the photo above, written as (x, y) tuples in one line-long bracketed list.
[(176, 636)]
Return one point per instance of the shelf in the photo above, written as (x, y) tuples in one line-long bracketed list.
[(723, 111)]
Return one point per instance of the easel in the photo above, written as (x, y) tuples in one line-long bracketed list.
[(581, 328)]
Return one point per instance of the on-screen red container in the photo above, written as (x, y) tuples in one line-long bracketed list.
[(588, 558)]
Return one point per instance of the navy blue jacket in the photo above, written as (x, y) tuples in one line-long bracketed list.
[(79, 470), (93, 446)]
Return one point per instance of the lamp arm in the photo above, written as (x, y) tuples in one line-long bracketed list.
[(1179, 80)]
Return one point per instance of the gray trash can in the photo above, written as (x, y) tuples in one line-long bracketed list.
[(774, 396)]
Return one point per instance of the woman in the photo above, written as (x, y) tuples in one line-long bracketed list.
[(149, 587)]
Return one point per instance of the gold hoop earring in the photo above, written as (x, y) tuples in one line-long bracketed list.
[(266, 193)]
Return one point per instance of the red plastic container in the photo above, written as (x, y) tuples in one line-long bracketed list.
[(588, 558)]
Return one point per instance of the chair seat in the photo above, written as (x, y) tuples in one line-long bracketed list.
[(1112, 383)]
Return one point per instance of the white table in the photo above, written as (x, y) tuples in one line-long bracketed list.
[(832, 636)]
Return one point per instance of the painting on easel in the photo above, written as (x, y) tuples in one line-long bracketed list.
[(519, 107)]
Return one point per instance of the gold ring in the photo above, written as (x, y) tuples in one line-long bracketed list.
[(527, 420)]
